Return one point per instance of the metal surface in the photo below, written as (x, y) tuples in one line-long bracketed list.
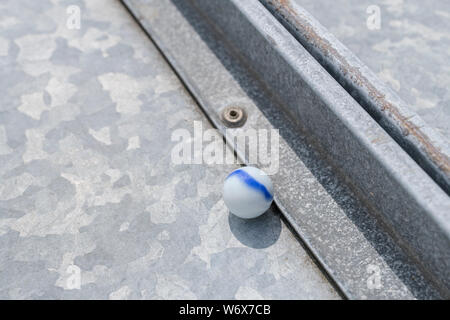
[(374, 164), (88, 187), (419, 139), (205, 43), (409, 51)]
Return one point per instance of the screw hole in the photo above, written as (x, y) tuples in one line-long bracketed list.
[(234, 116)]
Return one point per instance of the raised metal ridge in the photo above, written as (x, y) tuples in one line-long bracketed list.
[(426, 146), (413, 207)]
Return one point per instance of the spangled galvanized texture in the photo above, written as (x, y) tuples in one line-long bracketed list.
[(87, 181)]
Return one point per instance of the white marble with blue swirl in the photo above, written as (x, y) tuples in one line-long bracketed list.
[(248, 192)]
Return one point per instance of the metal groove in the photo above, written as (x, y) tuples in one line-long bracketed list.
[(419, 215), (276, 207), (323, 104)]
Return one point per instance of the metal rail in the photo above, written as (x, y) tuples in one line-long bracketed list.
[(428, 148), (374, 203)]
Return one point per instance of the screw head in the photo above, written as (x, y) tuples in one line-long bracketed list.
[(234, 116)]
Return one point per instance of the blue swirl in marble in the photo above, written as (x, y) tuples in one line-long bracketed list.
[(251, 182)]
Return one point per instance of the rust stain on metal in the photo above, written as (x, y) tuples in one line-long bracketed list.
[(284, 8)]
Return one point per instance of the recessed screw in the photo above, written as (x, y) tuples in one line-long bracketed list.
[(234, 116)]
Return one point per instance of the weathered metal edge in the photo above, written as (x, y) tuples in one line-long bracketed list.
[(430, 150), (413, 206)]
